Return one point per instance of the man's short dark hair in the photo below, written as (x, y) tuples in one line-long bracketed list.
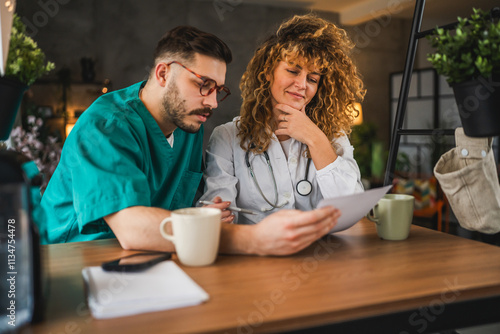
[(185, 41)]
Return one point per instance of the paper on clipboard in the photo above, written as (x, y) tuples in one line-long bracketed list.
[(354, 207)]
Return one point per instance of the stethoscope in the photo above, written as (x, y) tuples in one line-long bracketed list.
[(304, 187)]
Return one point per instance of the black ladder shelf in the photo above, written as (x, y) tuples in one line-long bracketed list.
[(398, 130)]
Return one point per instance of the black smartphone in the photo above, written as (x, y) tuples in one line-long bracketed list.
[(136, 262)]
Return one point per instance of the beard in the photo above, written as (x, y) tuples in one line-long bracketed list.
[(174, 110)]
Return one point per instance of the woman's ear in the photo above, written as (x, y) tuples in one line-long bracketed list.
[(269, 77)]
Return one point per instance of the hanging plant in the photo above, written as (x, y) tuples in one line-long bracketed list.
[(471, 50), (469, 58)]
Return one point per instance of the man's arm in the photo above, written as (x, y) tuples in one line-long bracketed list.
[(282, 233), (138, 227)]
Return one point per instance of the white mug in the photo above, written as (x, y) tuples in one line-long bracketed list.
[(196, 234)]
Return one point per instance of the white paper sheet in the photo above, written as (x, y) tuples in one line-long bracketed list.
[(161, 287), (354, 207)]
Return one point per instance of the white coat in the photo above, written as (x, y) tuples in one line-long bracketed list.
[(228, 176)]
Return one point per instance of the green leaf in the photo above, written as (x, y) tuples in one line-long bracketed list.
[(469, 51), (25, 60)]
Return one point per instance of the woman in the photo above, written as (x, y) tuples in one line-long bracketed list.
[(289, 147)]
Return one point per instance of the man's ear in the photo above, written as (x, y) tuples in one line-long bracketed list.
[(162, 71)]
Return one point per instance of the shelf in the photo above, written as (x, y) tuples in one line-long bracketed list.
[(63, 105)]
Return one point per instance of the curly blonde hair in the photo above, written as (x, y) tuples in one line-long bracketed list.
[(318, 43)]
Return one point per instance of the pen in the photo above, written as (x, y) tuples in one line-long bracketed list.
[(232, 208)]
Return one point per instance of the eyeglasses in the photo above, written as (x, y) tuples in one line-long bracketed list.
[(208, 86)]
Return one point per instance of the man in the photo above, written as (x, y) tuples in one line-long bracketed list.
[(135, 154)]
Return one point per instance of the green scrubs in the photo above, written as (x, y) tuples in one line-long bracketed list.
[(116, 157)]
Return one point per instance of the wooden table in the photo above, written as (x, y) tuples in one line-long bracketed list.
[(351, 282)]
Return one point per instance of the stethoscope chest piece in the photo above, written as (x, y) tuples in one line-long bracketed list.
[(304, 187)]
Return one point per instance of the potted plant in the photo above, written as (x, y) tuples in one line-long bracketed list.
[(25, 63), (362, 137), (469, 58)]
